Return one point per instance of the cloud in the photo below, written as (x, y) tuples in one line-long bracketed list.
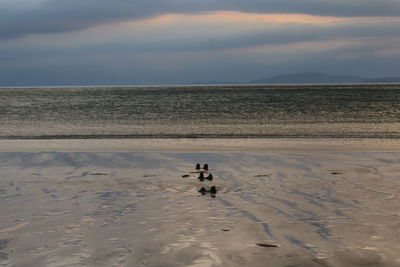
[(26, 17), (180, 48), (214, 31), (174, 41)]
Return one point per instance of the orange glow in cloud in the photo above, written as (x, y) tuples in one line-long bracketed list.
[(241, 17), (279, 18)]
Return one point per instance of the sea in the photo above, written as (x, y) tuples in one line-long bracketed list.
[(207, 111)]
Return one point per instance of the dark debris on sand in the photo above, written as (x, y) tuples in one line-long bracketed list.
[(267, 245)]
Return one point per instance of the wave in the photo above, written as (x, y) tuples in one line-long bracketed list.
[(197, 136)]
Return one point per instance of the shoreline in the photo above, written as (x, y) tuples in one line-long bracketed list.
[(203, 145)]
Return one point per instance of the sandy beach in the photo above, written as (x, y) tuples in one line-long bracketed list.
[(279, 202)]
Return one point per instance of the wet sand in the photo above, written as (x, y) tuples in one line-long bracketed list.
[(289, 206)]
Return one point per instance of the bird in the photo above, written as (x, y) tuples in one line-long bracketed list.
[(198, 166), (205, 167), (213, 190), (201, 177), (210, 177), (202, 191)]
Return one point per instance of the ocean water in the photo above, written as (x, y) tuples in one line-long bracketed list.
[(340, 111)]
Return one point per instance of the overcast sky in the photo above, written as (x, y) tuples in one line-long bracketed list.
[(73, 42)]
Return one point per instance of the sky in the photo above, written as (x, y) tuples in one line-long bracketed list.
[(94, 42)]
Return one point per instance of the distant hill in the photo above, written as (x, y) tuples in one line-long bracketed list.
[(384, 80), (309, 77), (213, 82)]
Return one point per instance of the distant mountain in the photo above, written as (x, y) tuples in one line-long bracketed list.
[(309, 77), (384, 80), (213, 82)]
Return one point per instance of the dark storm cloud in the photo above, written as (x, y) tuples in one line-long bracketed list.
[(51, 16), (176, 49), (281, 34), (140, 61)]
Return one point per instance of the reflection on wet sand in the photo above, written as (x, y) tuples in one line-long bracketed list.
[(124, 209)]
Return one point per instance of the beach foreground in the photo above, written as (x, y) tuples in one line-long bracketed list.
[(272, 208)]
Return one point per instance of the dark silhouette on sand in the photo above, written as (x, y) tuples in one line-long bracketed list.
[(213, 191), (205, 167), (201, 177)]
